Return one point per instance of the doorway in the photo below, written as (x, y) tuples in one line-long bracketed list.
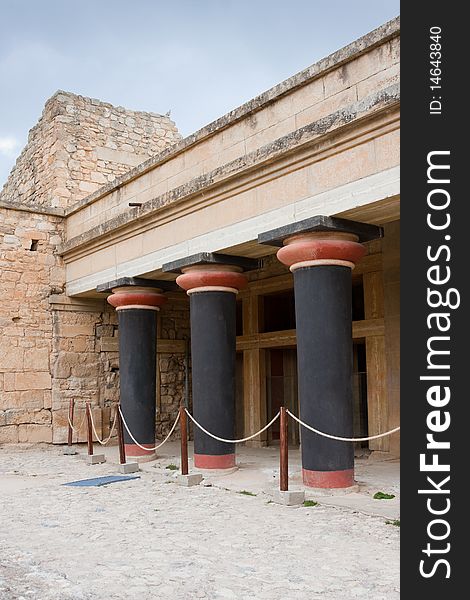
[(360, 412)]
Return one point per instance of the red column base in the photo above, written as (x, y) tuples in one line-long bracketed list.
[(214, 461), (328, 479), (133, 451)]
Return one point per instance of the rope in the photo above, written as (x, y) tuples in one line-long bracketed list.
[(342, 439), (76, 429), (230, 441), (144, 447), (100, 441)]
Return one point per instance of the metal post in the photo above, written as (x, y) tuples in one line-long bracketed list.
[(120, 432), (184, 440), (284, 467), (89, 430), (71, 410)]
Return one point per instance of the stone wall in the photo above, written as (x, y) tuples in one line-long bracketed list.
[(30, 271), (173, 325), (80, 144), (54, 348), (50, 348), (83, 369)]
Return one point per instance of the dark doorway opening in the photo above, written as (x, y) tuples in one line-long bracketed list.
[(361, 427)]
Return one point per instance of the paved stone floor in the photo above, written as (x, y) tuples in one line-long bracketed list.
[(152, 539)]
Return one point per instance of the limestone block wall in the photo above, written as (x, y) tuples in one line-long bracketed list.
[(30, 271), (173, 325), (54, 348), (78, 145), (50, 347), (82, 368)]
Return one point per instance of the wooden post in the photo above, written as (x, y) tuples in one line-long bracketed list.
[(377, 393), (70, 433), (89, 430), (254, 374), (120, 432), (184, 440), (284, 441)]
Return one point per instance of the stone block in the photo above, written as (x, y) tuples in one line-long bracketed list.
[(189, 480), (95, 459), (11, 357), (289, 497), (37, 359), (34, 434), (21, 416), (129, 467), (33, 399), (10, 400), (33, 381), (47, 399), (9, 382), (9, 434)]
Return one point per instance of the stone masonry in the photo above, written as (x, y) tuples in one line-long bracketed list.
[(80, 144), (173, 325), (54, 348), (30, 271)]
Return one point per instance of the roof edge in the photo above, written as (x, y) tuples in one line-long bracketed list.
[(365, 43)]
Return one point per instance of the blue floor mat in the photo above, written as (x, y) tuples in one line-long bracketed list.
[(97, 481)]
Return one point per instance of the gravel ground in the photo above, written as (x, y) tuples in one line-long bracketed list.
[(152, 539)]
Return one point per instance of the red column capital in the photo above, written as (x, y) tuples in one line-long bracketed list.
[(321, 248), (145, 298), (212, 278)]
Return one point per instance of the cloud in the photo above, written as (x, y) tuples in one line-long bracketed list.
[(9, 146)]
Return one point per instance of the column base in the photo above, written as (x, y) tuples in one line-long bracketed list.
[(214, 461), (133, 451), (328, 479)]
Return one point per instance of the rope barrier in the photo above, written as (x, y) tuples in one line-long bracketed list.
[(144, 447), (250, 437), (100, 441), (342, 439), (76, 429)]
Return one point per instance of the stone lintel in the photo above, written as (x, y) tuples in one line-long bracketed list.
[(137, 281), (365, 231), (63, 302), (211, 258)]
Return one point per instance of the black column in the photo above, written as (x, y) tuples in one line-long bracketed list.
[(213, 347), (321, 251), (137, 302), (324, 346), (137, 369)]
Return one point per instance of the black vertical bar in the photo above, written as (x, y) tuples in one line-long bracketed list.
[(213, 347), (324, 361), (137, 372), (434, 279)]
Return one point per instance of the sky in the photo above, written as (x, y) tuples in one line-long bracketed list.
[(197, 58)]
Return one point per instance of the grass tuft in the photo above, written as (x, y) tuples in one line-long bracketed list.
[(172, 467), (308, 503), (395, 522), (382, 496), (246, 493)]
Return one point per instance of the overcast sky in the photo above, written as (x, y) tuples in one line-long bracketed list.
[(197, 58)]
